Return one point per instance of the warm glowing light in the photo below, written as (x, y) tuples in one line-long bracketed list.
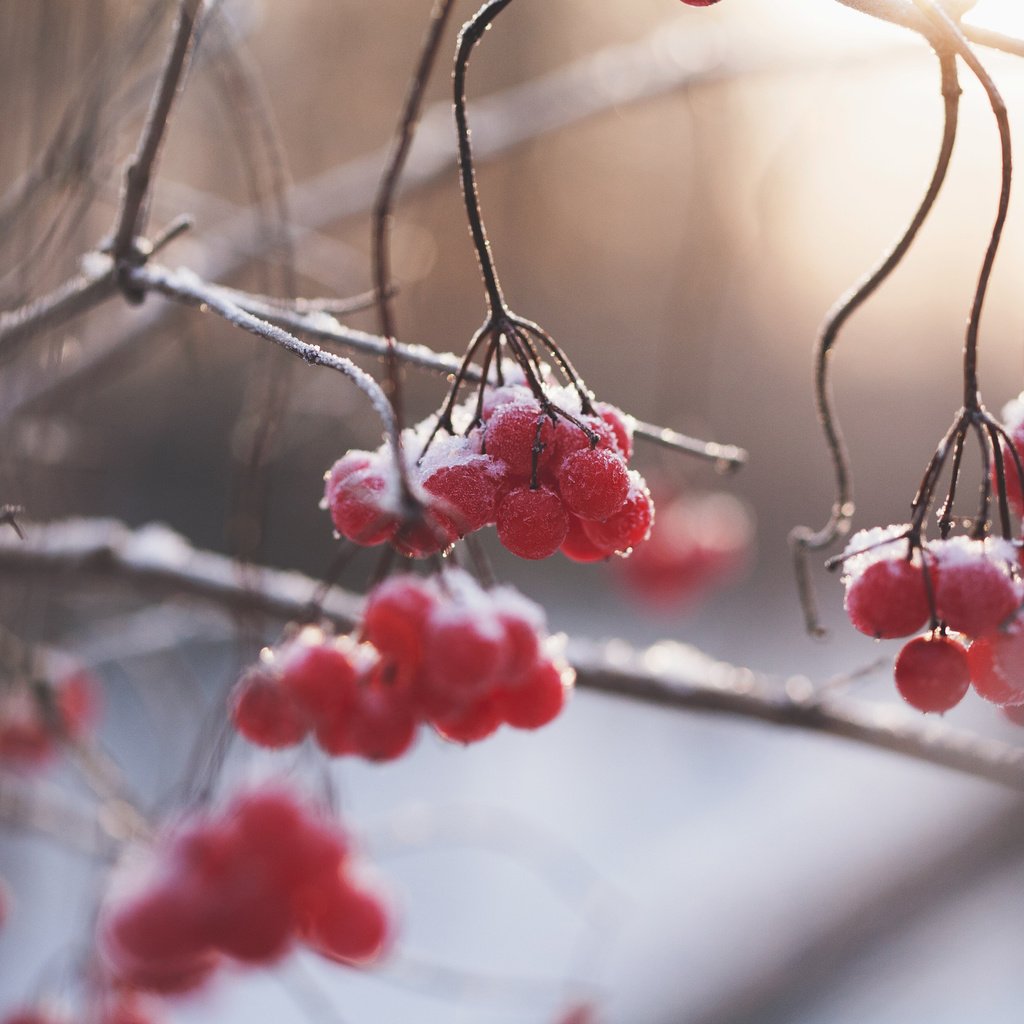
[(1002, 15)]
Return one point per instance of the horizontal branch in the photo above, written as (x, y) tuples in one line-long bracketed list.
[(324, 327), (71, 299), (156, 560)]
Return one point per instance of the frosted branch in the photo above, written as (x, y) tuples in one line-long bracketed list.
[(156, 560)]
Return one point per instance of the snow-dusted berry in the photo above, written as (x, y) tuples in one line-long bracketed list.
[(532, 523)]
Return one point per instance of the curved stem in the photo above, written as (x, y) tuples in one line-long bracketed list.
[(381, 239), (470, 35), (951, 35), (388, 186), (802, 538)]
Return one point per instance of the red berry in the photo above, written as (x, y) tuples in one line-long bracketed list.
[(523, 623), (974, 593), (465, 650), (318, 675), (351, 462), (473, 721), (622, 427), (513, 431), (153, 940), (593, 482), (345, 923), (384, 721), (357, 511), (468, 494), (1012, 477), (997, 666), (395, 621), (539, 697), (264, 713), (932, 673), (1014, 713), (77, 697), (888, 599), (578, 546), (570, 438), (532, 523), (696, 543), (630, 525)]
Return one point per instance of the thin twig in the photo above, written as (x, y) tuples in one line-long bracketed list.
[(131, 221), (952, 38), (671, 675), (71, 299), (380, 237)]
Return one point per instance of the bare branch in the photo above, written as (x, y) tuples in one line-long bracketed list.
[(71, 299), (669, 674), (139, 173)]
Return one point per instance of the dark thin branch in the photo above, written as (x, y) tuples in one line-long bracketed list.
[(671, 675), (471, 34), (131, 220)]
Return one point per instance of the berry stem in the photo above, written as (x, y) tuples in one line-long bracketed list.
[(950, 34), (471, 33), (802, 538), (381, 235)]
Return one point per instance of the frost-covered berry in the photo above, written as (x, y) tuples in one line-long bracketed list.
[(467, 494), (594, 483), (888, 599), (465, 650), (358, 508), (264, 713), (997, 665), (514, 432), (532, 523), (932, 673), (630, 525), (974, 590)]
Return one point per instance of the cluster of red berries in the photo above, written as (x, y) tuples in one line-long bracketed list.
[(546, 483), (244, 884), (36, 716), (440, 650), (697, 544), (971, 593)]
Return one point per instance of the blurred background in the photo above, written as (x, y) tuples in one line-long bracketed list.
[(678, 195)]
